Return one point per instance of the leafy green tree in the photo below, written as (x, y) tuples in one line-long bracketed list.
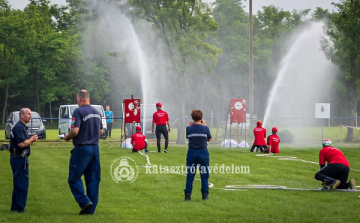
[(343, 48), (184, 26), (13, 32)]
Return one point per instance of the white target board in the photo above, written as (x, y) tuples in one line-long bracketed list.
[(322, 110)]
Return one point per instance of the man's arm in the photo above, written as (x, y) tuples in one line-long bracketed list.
[(28, 141), (73, 132), (168, 123), (152, 127)]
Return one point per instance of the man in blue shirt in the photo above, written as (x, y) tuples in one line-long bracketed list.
[(85, 131), (109, 119), (20, 150), (197, 155)]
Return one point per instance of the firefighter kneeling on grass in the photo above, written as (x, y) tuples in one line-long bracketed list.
[(335, 174)]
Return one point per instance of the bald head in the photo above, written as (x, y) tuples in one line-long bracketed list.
[(25, 115)]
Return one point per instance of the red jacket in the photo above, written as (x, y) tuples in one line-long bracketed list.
[(260, 135), (332, 155), (273, 142), (138, 141)]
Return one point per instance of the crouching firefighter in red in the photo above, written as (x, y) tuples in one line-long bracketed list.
[(334, 175)]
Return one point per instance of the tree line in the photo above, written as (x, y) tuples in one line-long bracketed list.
[(48, 53)]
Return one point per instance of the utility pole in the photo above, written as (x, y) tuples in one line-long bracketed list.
[(251, 72)]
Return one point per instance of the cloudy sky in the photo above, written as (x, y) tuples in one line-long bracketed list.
[(285, 4)]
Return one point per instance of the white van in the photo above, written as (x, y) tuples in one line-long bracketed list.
[(65, 116)]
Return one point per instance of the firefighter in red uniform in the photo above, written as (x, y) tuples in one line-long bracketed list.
[(138, 141), (260, 135), (160, 119), (273, 141), (335, 173)]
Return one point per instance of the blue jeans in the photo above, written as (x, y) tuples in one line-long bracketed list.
[(201, 158), (85, 161), (20, 169)]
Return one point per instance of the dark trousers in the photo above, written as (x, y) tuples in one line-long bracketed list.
[(332, 172), (20, 169), (109, 127), (161, 129), (262, 148), (134, 150), (201, 158), (85, 161)]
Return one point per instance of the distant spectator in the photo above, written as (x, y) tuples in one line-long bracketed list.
[(109, 120)]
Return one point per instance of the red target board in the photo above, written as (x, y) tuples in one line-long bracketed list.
[(132, 111), (238, 110)]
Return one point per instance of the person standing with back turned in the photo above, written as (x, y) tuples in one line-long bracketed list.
[(259, 137), (85, 131), (160, 119), (199, 135), (20, 150)]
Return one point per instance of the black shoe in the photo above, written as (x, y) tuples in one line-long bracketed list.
[(205, 197), (187, 197), (86, 208), (159, 151), (165, 151)]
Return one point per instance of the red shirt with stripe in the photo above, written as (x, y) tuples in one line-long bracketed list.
[(260, 135), (273, 141), (138, 141), (160, 117), (332, 155)]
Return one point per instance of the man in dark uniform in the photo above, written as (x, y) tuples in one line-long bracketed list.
[(85, 131), (20, 150), (198, 134), (160, 119), (335, 174)]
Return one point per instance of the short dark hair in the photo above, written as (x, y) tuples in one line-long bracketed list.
[(196, 115), (83, 94)]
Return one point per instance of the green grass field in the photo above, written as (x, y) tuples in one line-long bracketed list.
[(160, 198)]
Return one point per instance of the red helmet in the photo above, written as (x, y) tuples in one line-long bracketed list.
[(259, 123), (274, 129), (138, 128), (158, 105)]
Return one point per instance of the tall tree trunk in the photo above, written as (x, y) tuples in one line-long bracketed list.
[(350, 84), (5, 103), (37, 106), (181, 98), (50, 112)]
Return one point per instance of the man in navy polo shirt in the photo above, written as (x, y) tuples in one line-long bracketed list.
[(20, 150), (160, 119), (85, 131), (198, 154)]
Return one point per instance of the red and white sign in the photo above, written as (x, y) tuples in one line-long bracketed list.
[(132, 111), (237, 110)]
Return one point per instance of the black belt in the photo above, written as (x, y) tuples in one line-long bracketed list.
[(83, 145), (160, 125)]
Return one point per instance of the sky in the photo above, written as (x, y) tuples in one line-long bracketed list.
[(287, 5)]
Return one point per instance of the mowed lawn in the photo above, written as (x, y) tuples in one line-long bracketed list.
[(159, 197)]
